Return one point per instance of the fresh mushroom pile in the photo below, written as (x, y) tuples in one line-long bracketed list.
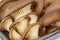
[(29, 19)]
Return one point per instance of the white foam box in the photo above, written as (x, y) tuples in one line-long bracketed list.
[(52, 36), (2, 36)]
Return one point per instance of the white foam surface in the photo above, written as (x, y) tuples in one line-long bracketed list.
[(57, 38)]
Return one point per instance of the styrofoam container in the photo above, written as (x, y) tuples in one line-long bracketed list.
[(51, 36), (2, 36)]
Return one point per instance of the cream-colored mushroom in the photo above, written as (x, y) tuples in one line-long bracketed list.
[(14, 35), (6, 7), (22, 25), (32, 34), (22, 12), (5, 23), (33, 18)]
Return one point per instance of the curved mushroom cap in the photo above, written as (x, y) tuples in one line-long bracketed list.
[(22, 12), (14, 35), (32, 32), (6, 22), (6, 7), (21, 26), (33, 18), (15, 6)]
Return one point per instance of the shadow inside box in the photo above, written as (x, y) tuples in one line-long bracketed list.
[(6, 33), (3, 35)]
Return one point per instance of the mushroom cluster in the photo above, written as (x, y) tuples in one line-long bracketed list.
[(29, 19)]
